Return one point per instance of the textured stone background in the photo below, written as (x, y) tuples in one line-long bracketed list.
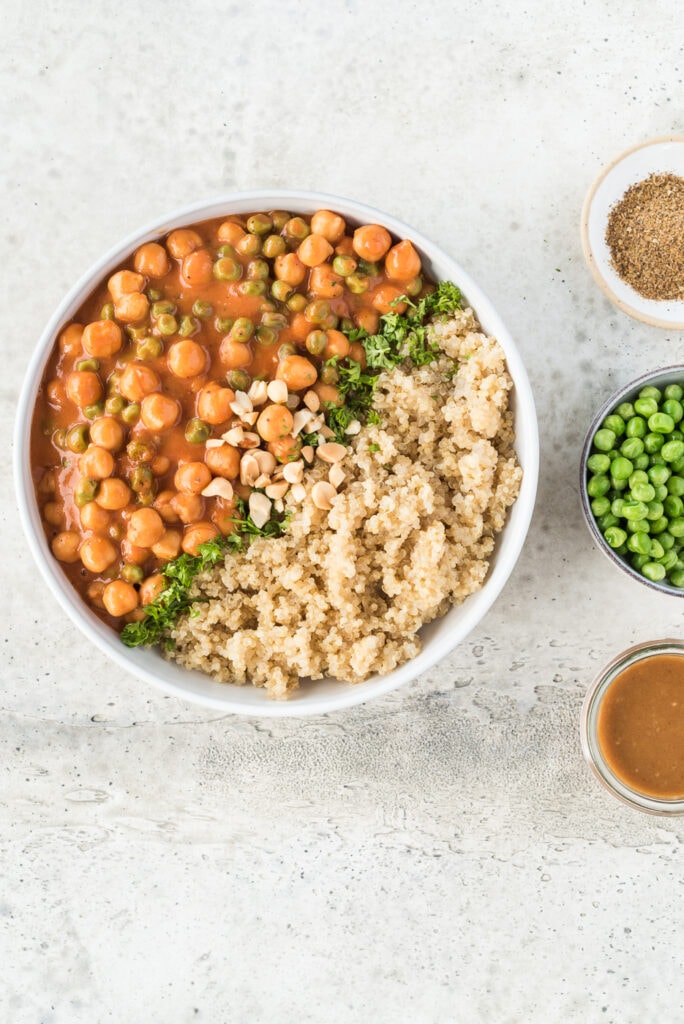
[(441, 855)]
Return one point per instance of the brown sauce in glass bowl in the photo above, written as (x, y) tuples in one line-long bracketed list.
[(640, 726)]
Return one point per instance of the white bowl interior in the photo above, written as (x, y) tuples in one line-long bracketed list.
[(320, 696), (660, 156)]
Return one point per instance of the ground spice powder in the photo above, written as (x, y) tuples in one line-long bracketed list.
[(645, 235)]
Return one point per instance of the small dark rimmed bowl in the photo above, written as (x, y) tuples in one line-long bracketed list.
[(660, 379)]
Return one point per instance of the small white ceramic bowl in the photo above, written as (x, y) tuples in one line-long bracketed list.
[(323, 695), (657, 378), (660, 156)]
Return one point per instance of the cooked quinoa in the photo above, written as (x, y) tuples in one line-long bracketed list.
[(344, 593)]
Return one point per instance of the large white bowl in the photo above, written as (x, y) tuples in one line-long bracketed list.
[(439, 637)]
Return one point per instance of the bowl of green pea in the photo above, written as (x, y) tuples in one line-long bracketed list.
[(632, 479)]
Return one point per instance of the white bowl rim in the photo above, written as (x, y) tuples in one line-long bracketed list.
[(257, 704), (621, 395), (592, 263)]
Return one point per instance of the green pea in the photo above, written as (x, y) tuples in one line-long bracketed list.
[(297, 303), (279, 218), (658, 474), (673, 506), (659, 526), (259, 224), (132, 573), (59, 438), (673, 392), (238, 380), (85, 491), (657, 550), (107, 311), (646, 406), (317, 311), (673, 408), (252, 287), (634, 510), (675, 485), (661, 423), (140, 451), (668, 560), (641, 462), (149, 348), (167, 324), (636, 427), (316, 342), (643, 492), (665, 538), (142, 479), (677, 578), (615, 537), (274, 245), (135, 333), (242, 330), (160, 308), (202, 309), (286, 349), (614, 423), (268, 306), (344, 265), (639, 476), (598, 463), (223, 324), (617, 506), (676, 435), (91, 412), (78, 438), (653, 443), (637, 526), (676, 527), (329, 374), (639, 543), (621, 468), (266, 335), (87, 364), (114, 405), (632, 447), (678, 465), (618, 485), (188, 327), (638, 561), (650, 391), (607, 520), (227, 269), (249, 244), (296, 229), (653, 571), (197, 431), (153, 294), (131, 413), (281, 290), (626, 410), (346, 325), (257, 270), (661, 492), (672, 451), (604, 440), (655, 510), (358, 284)]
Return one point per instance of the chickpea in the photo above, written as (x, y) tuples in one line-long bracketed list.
[(402, 262), (198, 534), (159, 412), (324, 283), (371, 242), (315, 249), (289, 268), (53, 513), (274, 421), (368, 319), (234, 355), (145, 527), (328, 393), (300, 326), (329, 225), (96, 463), (285, 449), (113, 494), (162, 503), (160, 465), (198, 268), (70, 343), (230, 232), (65, 546), (358, 353), (138, 380), (151, 588), (94, 593), (169, 546), (93, 517), (345, 246), (213, 403), (384, 299), (97, 553), (133, 308), (223, 461), (102, 338), (84, 388), (336, 345), (48, 482), (223, 517), (56, 393), (192, 477), (125, 282), (182, 242), (187, 358), (298, 372), (119, 598), (132, 553), (107, 432), (151, 260), (188, 507)]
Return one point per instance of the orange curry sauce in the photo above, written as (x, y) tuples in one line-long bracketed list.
[(118, 481), (640, 727)]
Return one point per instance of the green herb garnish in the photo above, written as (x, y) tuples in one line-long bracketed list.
[(180, 573)]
